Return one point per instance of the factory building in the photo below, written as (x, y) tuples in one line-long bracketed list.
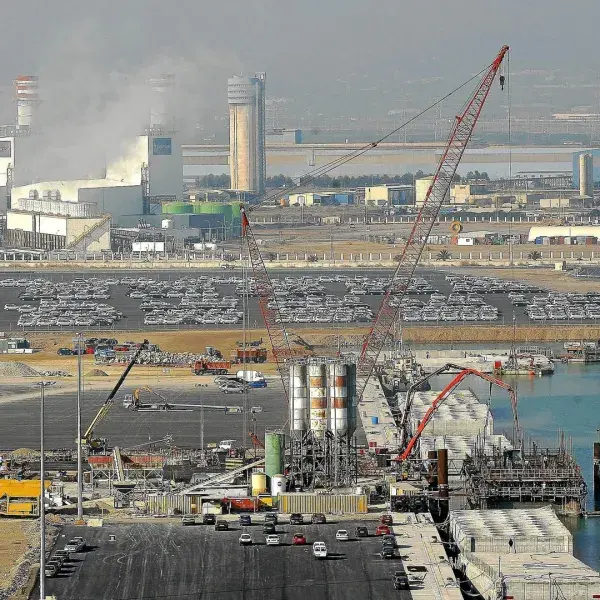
[(390, 195), (26, 229), (247, 157), (56, 214), (422, 185)]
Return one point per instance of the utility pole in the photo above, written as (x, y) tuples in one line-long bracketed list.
[(42, 510), (79, 457), (331, 255)]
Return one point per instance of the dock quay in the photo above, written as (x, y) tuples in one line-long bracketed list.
[(520, 554)]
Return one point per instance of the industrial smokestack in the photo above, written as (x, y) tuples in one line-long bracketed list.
[(586, 175), (161, 86), (26, 94)]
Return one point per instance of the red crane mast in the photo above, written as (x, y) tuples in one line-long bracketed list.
[(447, 391), (267, 300), (460, 135)]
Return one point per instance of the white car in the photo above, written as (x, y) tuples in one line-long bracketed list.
[(272, 540), (342, 535), (246, 539), (319, 550)]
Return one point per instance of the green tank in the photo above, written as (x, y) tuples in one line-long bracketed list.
[(274, 452), (177, 208)]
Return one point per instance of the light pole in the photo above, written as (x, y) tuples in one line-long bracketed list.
[(42, 500), (79, 457)]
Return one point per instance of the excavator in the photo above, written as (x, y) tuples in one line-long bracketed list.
[(88, 440)]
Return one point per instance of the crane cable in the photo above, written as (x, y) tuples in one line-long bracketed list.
[(338, 162)]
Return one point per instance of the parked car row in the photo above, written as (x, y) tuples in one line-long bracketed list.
[(558, 307), (66, 314), (58, 560), (488, 285)]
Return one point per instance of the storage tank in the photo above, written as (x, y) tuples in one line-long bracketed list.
[(317, 391), (278, 484), (338, 398), (177, 208), (298, 398), (259, 483), (274, 452)]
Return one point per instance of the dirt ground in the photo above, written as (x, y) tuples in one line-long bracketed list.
[(13, 545), (320, 341)]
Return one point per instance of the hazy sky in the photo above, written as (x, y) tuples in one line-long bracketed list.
[(93, 57)]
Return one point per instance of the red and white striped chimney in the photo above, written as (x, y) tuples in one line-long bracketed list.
[(26, 93)]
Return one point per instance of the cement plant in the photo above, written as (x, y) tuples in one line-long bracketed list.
[(280, 366)]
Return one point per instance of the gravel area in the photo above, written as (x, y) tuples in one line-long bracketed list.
[(17, 369)]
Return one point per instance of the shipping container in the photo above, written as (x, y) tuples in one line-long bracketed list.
[(323, 503), (171, 504)]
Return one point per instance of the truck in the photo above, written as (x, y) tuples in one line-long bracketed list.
[(212, 367), (251, 355)]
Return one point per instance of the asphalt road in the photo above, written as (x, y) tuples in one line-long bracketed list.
[(19, 421), (169, 561), (134, 317)]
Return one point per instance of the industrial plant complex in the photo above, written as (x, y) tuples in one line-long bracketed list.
[(276, 367)]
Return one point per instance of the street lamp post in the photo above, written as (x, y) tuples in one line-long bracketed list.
[(42, 510), (79, 457)]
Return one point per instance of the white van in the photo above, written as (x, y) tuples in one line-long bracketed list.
[(319, 550)]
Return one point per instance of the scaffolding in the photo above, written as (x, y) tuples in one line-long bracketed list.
[(322, 461), (535, 475)]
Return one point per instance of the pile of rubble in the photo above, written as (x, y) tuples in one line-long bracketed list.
[(164, 359), (55, 374)]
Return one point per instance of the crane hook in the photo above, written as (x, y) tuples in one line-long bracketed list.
[(502, 80)]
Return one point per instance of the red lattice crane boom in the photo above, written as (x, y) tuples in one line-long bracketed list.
[(267, 300), (460, 135), (447, 391)]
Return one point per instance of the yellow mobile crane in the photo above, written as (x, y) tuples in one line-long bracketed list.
[(96, 444)]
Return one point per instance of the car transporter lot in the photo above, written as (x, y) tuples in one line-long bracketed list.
[(175, 300), (178, 562)]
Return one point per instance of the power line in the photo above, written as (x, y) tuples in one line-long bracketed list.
[(342, 160)]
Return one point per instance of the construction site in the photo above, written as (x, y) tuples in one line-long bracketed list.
[(350, 430)]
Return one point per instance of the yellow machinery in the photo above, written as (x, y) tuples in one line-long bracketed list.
[(87, 440), (20, 498)]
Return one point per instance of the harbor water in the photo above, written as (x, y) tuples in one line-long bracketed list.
[(569, 400)]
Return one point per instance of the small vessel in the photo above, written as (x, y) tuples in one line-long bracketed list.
[(401, 371)]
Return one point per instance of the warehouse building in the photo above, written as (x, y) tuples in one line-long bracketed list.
[(57, 232)]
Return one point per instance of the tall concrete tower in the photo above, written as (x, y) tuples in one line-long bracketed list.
[(161, 87), (586, 174), (247, 159), (26, 92)]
